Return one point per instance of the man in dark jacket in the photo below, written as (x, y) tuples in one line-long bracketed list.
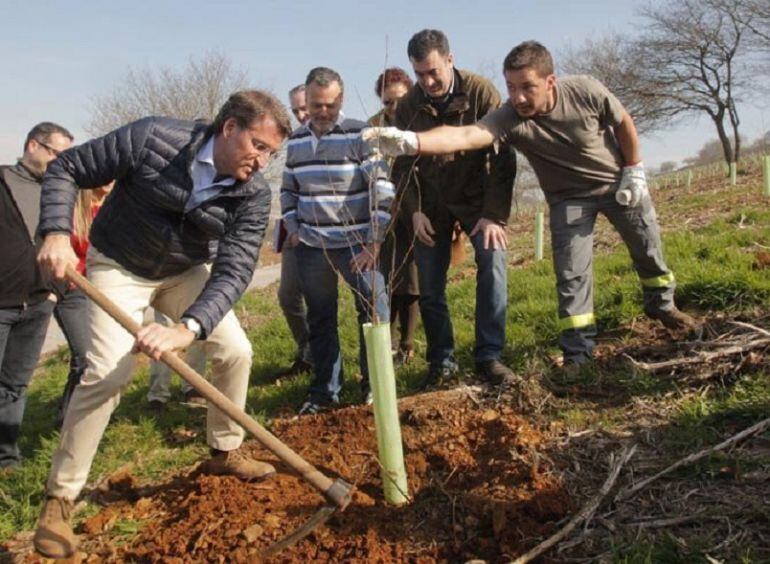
[(26, 301), (185, 194), (473, 188)]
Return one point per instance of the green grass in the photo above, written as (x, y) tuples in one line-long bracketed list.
[(667, 550), (714, 269)]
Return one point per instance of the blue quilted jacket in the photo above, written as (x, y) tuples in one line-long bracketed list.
[(142, 224)]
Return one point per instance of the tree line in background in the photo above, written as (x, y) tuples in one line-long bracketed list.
[(711, 152), (196, 91), (688, 58)]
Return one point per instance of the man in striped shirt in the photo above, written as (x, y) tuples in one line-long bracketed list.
[(335, 201)]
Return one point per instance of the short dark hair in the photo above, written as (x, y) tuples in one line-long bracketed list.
[(425, 41), (529, 54), (43, 131), (324, 76), (392, 75), (249, 106), (296, 90)]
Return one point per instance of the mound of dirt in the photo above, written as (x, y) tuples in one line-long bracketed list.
[(479, 489)]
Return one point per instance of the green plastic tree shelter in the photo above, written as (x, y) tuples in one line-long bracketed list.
[(382, 378), (766, 175)]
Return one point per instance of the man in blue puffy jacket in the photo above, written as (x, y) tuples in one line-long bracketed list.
[(185, 194)]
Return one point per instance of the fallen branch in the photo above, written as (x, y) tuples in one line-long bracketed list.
[(585, 514), (700, 358), (764, 332), (754, 429), (668, 522)]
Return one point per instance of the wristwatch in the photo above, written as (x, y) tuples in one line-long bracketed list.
[(192, 326)]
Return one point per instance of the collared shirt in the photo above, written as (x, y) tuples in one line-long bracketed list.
[(335, 191), (314, 138), (206, 185)]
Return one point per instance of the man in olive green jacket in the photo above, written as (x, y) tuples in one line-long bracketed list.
[(473, 188)]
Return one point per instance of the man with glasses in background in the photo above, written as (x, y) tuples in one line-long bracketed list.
[(186, 193), (26, 300)]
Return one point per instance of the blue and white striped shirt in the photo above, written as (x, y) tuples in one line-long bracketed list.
[(335, 191)]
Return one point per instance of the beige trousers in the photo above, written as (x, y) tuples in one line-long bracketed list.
[(111, 364)]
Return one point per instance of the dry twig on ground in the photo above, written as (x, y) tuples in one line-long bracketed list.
[(754, 429), (585, 514), (700, 358)]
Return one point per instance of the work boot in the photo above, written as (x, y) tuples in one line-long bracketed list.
[(679, 322), (236, 463), (54, 537), (494, 371)]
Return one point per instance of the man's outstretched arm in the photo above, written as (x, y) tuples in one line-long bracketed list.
[(449, 139), (393, 142)]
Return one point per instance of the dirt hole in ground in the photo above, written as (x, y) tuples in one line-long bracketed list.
[(479, 491)]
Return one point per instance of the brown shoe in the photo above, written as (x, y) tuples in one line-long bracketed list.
[(54, 537), (495, 372), (236, 463), (678, 322)]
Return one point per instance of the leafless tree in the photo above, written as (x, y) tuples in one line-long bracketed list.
[(193, 92), (755, 15), (613, 61), (690, 57), (695, 55)]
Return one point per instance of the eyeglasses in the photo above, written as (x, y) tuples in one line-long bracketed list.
[(54, 152), (263, 150)]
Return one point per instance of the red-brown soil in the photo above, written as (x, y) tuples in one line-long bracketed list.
[(479, 490)]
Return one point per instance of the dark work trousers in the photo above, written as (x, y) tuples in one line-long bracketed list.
[(71, 314), (22, 333), (572, 235)]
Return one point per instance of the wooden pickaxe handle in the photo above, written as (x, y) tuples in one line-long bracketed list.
[(337, 492)]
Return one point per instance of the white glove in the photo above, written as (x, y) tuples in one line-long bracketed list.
[(391, 141), (633, 186)]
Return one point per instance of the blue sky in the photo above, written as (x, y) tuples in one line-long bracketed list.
[(59, 55)]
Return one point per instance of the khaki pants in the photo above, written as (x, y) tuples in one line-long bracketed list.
[(111, 364)]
